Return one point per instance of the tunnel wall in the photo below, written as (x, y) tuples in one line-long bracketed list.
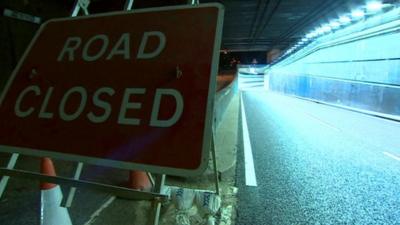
[(371, 97), (358, 68)]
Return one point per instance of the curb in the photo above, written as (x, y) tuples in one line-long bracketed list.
[(226, 142)]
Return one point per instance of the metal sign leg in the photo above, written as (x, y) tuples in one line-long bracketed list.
[(128, 5), (154, 218), (193, 2), (67, 202), (75, 9), (10, 165), (215, 167)]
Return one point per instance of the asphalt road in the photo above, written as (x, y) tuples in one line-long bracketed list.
[(316, 164)]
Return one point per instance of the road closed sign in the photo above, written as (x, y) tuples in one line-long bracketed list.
[(132, 90)]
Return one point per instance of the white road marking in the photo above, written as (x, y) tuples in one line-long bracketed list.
[(322, 122), (248, 155), (98, 211), (392, 156)]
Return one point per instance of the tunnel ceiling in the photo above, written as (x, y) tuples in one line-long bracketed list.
[(250, 25)]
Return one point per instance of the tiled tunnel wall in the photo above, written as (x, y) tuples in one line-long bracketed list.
[(359, 70)]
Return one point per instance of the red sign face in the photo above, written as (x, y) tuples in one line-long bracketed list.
[(132, 90)]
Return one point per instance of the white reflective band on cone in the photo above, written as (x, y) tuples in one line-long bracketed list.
[(51, 213)]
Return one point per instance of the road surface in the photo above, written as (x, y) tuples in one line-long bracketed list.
[(314, 164)]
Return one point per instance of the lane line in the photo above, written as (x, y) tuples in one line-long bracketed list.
[(98, 211), (392, 156), (322, 122), (299, 105), (250, 172)]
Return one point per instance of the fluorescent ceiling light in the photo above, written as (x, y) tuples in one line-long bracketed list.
[(314, 34), (334, 24), (320, 30), (357, 13), (326, 28), (374, 6), (344, 19)]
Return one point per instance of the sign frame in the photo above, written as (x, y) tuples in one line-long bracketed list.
[(208, 130)]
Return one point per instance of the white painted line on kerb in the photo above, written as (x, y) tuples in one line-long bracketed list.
[(248, 155), (392, 156), (98, 211)]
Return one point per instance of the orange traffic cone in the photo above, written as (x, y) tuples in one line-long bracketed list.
[(139, 180), (51, 212)]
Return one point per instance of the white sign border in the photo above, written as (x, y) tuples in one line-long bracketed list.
[(207, 136)]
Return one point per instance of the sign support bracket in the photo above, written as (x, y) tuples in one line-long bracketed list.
[(70, 182)]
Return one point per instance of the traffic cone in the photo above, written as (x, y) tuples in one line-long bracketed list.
[(51, 213), (139, 180)]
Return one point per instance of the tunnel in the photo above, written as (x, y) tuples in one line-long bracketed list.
[(272, 112)]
